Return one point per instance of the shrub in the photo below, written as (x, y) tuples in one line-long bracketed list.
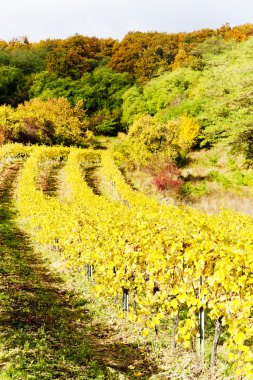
[(169, 179), (146, 138), (53, 121), (149, 139), (197, 191), (8, 123)]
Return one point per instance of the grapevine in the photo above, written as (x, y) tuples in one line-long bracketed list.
[(154, 253)]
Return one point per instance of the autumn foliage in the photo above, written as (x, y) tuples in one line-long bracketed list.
[(48, 122), (115, 83), (169, 179)]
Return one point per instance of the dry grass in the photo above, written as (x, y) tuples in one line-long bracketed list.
[(232, 184), (206, 194), (217, 200)]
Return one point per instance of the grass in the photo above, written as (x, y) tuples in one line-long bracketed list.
[(42, 323), (50, 326), (53, 327), (215, 179)]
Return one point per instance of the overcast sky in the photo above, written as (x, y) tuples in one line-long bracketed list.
[(41, 19)]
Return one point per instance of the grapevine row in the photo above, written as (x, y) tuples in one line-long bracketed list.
[(157, 254)]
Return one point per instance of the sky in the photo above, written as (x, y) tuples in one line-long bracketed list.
[(42, 19)]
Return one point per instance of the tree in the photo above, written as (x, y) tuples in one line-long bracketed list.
[(13, 86), (77, 55), (150, 140), (145, 54), (52, 122), (27, 60), (8, 121), (133, 105), (101, 93), (241, 141)]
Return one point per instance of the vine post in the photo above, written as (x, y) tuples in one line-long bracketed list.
[(201, 324), (126, 300)]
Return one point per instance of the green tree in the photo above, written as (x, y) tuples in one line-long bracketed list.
[(150, 140), (13, 86), (133, 105), (101, 93), (28, 60)]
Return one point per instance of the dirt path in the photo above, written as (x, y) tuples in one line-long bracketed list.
[(91, 179), (48, 180), (45, 328)]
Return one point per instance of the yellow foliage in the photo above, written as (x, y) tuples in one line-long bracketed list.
[(8, 121), (183, 59), (137, 244), (188, 130), (148, 138), (53, 121)]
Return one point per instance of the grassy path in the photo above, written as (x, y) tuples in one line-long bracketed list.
[(41, 333), (45, 328)]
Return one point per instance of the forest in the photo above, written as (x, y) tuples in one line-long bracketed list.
[(66, 91)]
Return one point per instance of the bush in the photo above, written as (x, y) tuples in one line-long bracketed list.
[(53, 121), (148, 139), (196, 190), (169, 179), (105, 122), (8, 121)]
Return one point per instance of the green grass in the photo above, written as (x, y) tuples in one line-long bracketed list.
[(215, 177), (233, 179), (43, 327), (51, 327), (197, 190)]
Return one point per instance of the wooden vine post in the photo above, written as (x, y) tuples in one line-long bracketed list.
[(201, 324), (126, 300)]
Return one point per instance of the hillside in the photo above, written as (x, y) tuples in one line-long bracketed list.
[(126, 205), (70, 91), (100, 281), (159, 73)]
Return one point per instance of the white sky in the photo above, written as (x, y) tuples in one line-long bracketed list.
[(41, 19)]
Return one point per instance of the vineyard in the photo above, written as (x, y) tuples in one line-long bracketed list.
[(168, 264)]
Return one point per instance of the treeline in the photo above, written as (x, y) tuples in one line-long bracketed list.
[(115, 81)]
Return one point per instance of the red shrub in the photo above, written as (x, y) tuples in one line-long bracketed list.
[(168, 179)]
